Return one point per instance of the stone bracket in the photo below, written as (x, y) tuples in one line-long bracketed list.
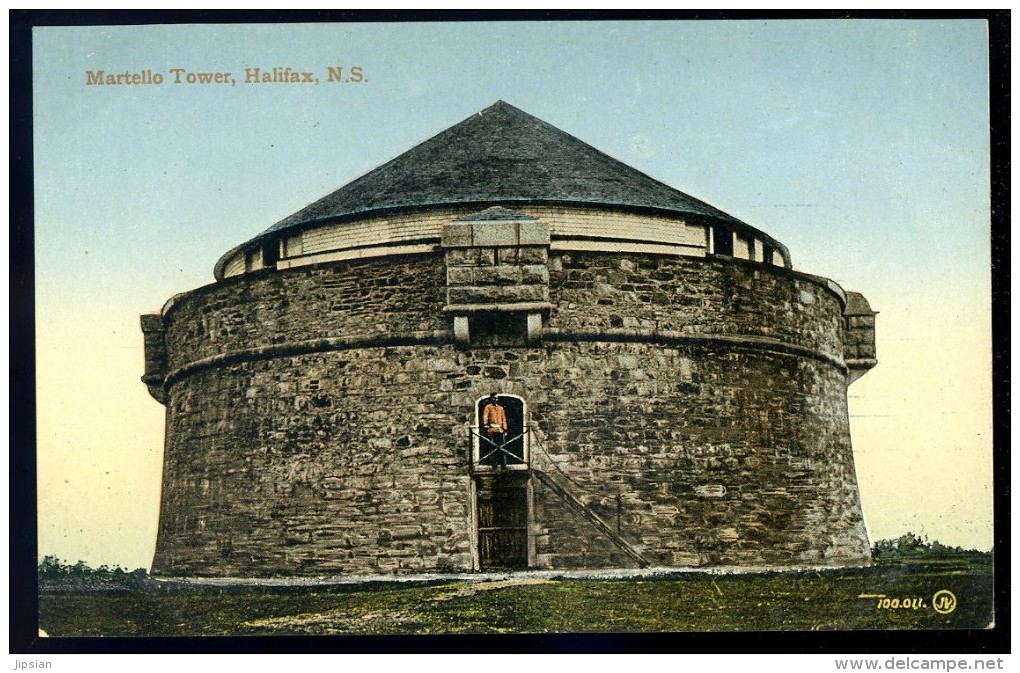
[(461, 330), (534, 328), (154, 335), (859, 336)]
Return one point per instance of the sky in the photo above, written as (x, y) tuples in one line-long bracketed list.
[(861, 145)]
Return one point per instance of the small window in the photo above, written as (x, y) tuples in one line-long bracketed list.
[(253, 260), (722, 240), (270, 253)]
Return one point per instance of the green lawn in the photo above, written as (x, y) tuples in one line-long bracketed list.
[(827, 600)]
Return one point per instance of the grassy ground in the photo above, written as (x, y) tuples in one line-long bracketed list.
[(826, 600)]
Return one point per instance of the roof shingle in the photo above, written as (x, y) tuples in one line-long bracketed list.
[(504, 155)]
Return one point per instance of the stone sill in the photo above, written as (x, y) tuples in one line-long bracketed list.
[(519, 307)]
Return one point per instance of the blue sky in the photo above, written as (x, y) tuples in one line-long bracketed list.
[(862, 145)]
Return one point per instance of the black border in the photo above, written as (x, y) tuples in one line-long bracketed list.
[(23, 555)]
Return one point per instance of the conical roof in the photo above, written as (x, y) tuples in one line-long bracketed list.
[(498, 156)]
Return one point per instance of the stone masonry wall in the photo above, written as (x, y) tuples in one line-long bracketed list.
[(357, 461), (327, 463), (716, 458), (594, 291), (380, 297)]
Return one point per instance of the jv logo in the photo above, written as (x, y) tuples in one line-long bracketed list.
[(943, 602)]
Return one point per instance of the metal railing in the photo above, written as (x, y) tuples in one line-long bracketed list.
[(550, 474), (560, 483), (490, 448)]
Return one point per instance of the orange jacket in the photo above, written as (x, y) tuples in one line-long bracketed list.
[(494, 415)]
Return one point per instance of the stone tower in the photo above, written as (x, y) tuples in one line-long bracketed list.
[(674, 393)]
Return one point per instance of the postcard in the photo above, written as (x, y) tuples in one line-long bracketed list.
[(513, 327)]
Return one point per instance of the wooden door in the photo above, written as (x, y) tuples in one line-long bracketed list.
[(502, 525)]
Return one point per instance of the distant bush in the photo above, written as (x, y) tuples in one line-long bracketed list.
[(914, 546), (52, 568)]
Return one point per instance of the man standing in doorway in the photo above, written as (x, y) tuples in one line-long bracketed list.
[(495, 426)]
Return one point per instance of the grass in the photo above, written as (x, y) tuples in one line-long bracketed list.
[(825, 600)]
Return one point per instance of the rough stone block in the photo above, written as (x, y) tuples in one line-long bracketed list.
[(405, 532), (425, 497), (522, 293), (470, 257), (535, 274), (533, 232), (453, 508), (387, 565), (473, 295), (497, 275), (457, 235), (442, 365), (710, 491), (495, 233), (508, 255), (533, 255), (459, 275)]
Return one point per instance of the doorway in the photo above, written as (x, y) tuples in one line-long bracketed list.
[(502, 516), (507, 449)]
